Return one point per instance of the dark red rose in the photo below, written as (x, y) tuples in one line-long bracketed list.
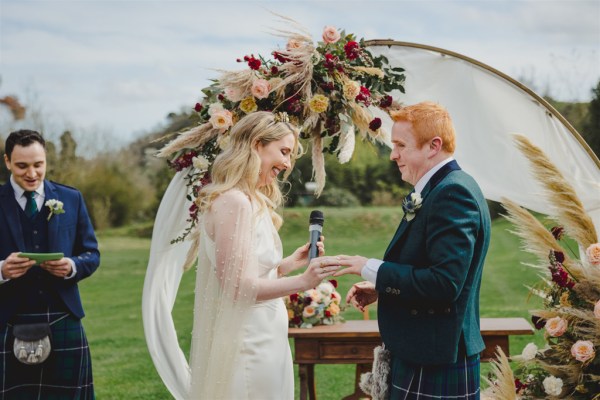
[(557, 232), (253, 63), (327, 314), (386, 101), (296, 320), (220, 97), (519, 385), (307, 300), (364, 96), (559, 256), (330, 62), (274, 70), (246, 58), (198, 107), (279, 57), (352, 50), (538, 322), (334, 283), (294, 297), (375, 124)]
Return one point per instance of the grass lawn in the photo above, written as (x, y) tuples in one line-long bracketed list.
[(112, 297)]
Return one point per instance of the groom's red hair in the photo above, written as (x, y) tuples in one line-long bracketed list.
[(428, 120)]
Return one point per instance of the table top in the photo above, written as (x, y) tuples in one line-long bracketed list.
[(370, 329)]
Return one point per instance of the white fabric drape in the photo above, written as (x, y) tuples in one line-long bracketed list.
[(165, 269), (486, 109)]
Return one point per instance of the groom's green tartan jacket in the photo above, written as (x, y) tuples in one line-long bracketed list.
[(429, 282)]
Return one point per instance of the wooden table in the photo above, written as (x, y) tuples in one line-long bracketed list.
[(353, 342)]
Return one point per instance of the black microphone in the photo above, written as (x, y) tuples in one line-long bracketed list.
[(315, 228)]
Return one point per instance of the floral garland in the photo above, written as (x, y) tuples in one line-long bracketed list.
[(568, 367), (318, 306), (327, 89)]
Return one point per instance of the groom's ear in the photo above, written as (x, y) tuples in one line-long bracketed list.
[(435, 145)]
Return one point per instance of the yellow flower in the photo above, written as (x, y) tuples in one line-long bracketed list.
[(248, 105), (351, 90), (318, 103), (334, 309), (290, 314), (564, 300)]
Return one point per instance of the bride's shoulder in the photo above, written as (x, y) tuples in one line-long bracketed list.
[(233, 198)]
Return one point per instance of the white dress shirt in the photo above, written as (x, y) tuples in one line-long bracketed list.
[(370, 269)]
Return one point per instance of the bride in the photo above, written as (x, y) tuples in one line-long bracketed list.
[(239, 346)]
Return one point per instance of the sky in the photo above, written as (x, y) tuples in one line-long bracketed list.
[(118, 68)]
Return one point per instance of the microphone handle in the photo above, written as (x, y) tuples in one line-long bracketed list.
[(313, 251)]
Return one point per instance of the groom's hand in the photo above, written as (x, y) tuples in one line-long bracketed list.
[(362, 294), (353, 264)]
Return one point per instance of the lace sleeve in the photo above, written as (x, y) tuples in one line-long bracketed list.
[(225, 291)]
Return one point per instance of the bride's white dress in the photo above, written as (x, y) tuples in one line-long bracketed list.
[(261, 364)]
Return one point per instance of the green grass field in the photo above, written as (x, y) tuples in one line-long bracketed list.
[(112, 297)]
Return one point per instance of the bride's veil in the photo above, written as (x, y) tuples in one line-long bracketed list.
[(165, 269)]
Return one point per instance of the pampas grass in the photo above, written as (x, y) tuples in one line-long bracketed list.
[(504, 387)]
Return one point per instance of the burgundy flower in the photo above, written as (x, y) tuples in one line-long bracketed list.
[(385, 101), (330, 62), (559, 256), (557, 232), (183, 161), (193, 210), (538, 322), (279, 57), (220, 97), (560, 276), (519, 385), (327, 314), (296, 320), (375, 124), (364, 96), (327, 86), (307, 300), (352, 50), (274, 70), (334, 283), (294, 297), (198, 107), (253, 63)]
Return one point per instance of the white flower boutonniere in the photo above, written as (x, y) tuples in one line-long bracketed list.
[(55, 206), (411, 204)]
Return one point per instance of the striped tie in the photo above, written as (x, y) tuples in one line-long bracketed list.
[(31, 206)]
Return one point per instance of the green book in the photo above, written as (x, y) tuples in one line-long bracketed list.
[(40, 257)]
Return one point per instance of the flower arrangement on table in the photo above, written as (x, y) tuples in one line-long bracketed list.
[(328, 89), (318, 306), (568, 366)]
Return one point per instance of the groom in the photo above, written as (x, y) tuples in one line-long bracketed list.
[(428, 282)]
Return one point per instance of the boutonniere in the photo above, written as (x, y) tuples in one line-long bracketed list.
[(411, 204), (55, 206)]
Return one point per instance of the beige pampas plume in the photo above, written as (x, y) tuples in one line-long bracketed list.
[(503, 388), (191, 138), (346, 144), (370, 71), (318, 161), (568, 209)]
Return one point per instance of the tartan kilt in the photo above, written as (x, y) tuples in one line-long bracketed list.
[(450, 381), (66, 373)]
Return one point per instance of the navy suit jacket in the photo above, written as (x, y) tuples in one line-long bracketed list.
[(429, 281), (70, 233)]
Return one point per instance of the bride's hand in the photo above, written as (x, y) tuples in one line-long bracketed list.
[(299, 257), (319, 269)]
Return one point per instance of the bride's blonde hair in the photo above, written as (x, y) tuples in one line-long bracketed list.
[(239, 164)]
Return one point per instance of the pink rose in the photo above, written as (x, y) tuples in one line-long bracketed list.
[(583, 350), (330, 34), (593, 254), (260, 88), (233, 94), (221, 119), (293, 44), (556, 326), (597, 309)]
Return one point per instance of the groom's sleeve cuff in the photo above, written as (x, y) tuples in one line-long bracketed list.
[(73, 269), (369, 271), (2, 280)]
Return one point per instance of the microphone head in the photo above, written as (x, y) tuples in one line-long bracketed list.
[(316, 218)]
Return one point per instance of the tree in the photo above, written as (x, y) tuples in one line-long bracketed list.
[(591, 128)]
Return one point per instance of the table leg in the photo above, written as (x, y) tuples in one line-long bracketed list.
[(307, 381)]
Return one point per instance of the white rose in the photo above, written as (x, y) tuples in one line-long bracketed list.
[(233, 94), (529, 352), (326, 288), (200, 163), (215, 107), (553, 385)]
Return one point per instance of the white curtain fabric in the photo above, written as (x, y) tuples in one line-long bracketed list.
[(165, 269), (487, 109)]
